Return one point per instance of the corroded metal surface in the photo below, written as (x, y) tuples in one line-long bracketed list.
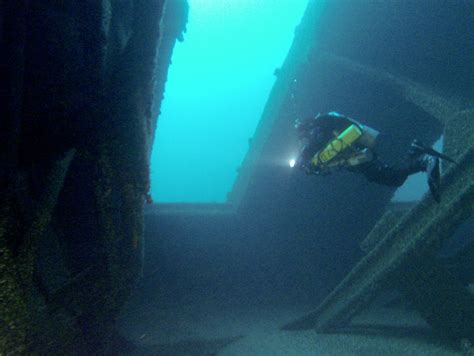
[(420, 231), (401, 239), (440, 108), (383, 226), (80, 85)]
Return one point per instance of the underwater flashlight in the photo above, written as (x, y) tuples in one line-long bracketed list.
[(292, 163)]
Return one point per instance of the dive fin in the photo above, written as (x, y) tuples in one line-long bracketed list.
[(419, 147), (434, 178)]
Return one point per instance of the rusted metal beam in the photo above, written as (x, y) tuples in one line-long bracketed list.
[(417, 234), (439, 107)]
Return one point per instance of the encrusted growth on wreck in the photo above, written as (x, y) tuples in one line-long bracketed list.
[(75, 144)]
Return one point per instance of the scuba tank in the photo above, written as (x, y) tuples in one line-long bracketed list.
[(330, 156), (366, 155), (344, 140)]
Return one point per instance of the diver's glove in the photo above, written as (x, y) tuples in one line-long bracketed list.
[(307, 169), (310, 169)]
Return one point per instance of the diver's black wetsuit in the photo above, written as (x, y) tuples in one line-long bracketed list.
[(378, 172), (320, 133)]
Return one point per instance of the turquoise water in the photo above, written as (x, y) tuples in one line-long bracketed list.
[(218, 83)]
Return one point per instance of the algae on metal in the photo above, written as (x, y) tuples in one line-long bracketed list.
[(96, 107), (17, 305)]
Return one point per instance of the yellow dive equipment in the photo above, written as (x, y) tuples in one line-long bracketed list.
[(336, 146), (356, 158)]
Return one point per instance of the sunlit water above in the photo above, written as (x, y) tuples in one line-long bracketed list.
[(217, 87)]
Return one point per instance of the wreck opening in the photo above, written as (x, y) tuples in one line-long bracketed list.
[(217, 87)]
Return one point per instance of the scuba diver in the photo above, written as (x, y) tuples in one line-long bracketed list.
[(332, 141)]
